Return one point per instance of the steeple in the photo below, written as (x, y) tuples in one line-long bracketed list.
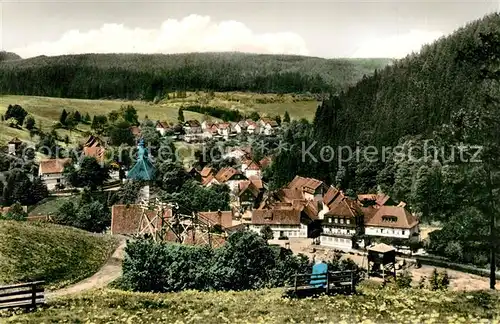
[(143, 168)]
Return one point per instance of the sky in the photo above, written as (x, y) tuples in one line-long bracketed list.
[(390, 29)]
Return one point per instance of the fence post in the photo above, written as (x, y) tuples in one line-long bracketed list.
[(327, 282), (353, 286), (33, 296)]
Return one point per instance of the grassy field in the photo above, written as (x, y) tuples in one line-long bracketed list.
[(46, 111), (370, 305), (49, 206), (57, 254)]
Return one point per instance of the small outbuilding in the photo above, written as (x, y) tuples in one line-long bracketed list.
[(382, 257)]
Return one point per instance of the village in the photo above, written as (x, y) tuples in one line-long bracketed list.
[(306, 208)]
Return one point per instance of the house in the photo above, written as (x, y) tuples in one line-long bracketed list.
[(341, 223), (248, 194), (224, 130), (241, 127), (376, 200), (237, 154), (265, 162), (312, 189), (283, 222), (252, 127), (192, 126), (96, 152), (210, 132), (251, 169), (222, 218), (394, 222), (136, 131), (207, 124), (164, 127), (13, 145), (209, 180), (231, 177), (268, 126), (195, 174), (51, 172)]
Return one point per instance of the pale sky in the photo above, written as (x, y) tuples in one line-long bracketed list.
[(317, 28)]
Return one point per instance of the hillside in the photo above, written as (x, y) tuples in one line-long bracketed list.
[(415, 95), (56, 254), (141, 76), (8, 56), (372, 305)]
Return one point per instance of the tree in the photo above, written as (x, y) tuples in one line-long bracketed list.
[(90, 174), (93, 217), (267, 233), (71, 122), (286, 117), (17, 112), (171, 176), (38, 190), (86, 119), (16, 213), (254, 116), (12, 122), (30, 123), (129, 114), (77, 117), (120, 133), (278, 119), (180, 117), (128, 193), (62, 118), (99, 124)]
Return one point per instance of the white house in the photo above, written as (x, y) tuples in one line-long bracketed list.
[(252, 127), (268, 126), (162, 127), (394, 222), (224, 129), (192, 127), (251, 169), (51, 172), (283, 222)]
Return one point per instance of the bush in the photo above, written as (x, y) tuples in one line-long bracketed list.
[(283, 238), (404, 279), (246, 261), (163, 267)]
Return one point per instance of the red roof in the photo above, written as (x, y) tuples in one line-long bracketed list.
[(253, 166), (304, 183), (275, 217), (126, 219), (346, 207), (136, 131), (192, 123), (53, 165), (330, 195), (393, 216), (94, 151), (206, 171), (226, 174), (248, 185), (223, 218), (265, 162)]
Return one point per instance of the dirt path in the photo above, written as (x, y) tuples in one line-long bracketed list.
[(111, 270)]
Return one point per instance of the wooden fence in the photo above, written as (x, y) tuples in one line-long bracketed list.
[(25, 295)]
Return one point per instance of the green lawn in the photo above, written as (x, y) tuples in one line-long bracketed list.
[(46, 111), (58, 255), (371, 305), (49, 206)]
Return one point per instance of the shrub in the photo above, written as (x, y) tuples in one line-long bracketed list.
[(246, 261), (163, 267), (283, 238), (15, 212), (404, 279)]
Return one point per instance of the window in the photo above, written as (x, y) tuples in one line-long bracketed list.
[(336, 220), (348, 221), (403, 232), (341, 221), (329, 220)]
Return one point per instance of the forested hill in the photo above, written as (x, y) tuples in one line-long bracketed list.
[(139, 76), (413, 95), (7, 56)]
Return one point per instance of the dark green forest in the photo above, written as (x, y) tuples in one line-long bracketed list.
[(431, 112), (139, 76), (7, 56)]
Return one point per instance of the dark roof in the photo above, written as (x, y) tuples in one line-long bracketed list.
[(192, 123), (15, 140), (143, 168), (248, 186), (330, 195), (304, 183), (226, 174)]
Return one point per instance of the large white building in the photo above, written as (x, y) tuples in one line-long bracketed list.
[(283, 222), (394, 222)]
